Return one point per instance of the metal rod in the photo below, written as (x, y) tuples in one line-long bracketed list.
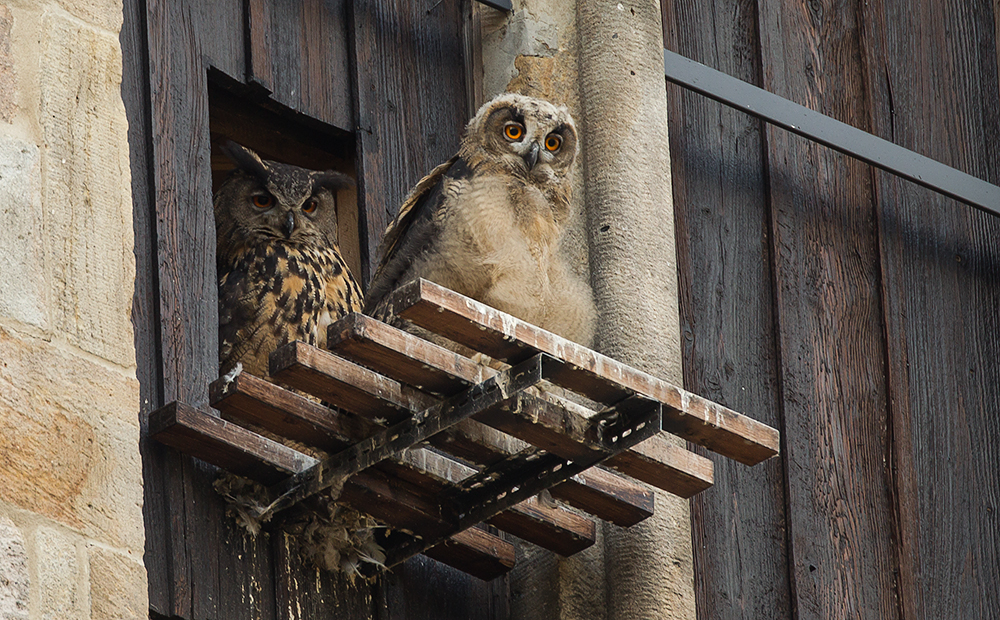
[(500, 5), (832, 133)]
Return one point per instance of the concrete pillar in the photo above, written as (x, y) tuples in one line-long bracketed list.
[(633, 270)]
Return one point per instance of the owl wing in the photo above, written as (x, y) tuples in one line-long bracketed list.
[(413, 230), (240, 318)]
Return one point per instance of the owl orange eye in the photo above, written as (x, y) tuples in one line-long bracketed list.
[(513, 131), (310, 206), (263, 201), (553, 142)]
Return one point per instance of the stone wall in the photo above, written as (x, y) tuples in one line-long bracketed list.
[(71, 531), (603, 59)]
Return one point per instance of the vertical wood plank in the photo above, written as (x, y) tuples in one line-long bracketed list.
[(259, 44), (304, 592), (726, 308), (145, 302), (223, 47), (932, 69), (423, 589), (828, 301), (410, 96), (309, 52)]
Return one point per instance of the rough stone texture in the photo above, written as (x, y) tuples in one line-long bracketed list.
[(14, 578), (117, 586), (104, 14), (57, 575), (22, 246), (86, 194), (606, 66), (633, 267), (69, 440), (8, 78)]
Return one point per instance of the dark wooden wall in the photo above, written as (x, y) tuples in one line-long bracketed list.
[(855, 311), (375, 88)]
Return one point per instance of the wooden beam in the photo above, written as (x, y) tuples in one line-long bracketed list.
[(224, 444), (251, 400), (366, 392), (475, 552), (546, 423), (597, 376), (494, 392), (245, 453)]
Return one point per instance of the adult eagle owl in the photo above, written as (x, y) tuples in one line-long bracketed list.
[(487, 222), (281, 275)]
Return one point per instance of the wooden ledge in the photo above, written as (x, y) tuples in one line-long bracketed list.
[(245, 453), (597, 376)]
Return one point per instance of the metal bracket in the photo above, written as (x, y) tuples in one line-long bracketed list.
[(830, 132)]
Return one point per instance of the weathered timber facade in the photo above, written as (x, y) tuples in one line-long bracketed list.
[(855, 312)]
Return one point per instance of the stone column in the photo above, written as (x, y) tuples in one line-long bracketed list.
[(633, 269)]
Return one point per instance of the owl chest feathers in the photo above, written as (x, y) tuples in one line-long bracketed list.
[(498, 242), (274, 294)]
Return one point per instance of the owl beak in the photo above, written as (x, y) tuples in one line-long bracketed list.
[(531, 157), (290, 225)]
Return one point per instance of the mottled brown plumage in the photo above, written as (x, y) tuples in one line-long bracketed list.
[(281, 275), (281, 279), (487, 223)]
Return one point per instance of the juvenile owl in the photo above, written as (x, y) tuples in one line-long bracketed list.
[(487, 222), (281, 275)]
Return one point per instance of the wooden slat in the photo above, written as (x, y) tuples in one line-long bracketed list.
[(597, 376), (250, 399), (402, 356), (253, 400), (476, 552), (551, 528), (245, 453), (224, 444), (365, 392), (686, 474), (542, 423)]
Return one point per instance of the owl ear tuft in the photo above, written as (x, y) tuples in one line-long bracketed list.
[(245, 159), (331, 179)]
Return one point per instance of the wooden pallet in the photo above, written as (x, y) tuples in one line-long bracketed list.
[(434, 444)]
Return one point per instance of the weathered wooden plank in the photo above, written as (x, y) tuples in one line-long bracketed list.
[(224, 444), (830, 327), (365, 392), (941, 289), (402, 356), (410, 100), (476, 552), (187, 317), (258, 50), (249, 399), (666, 466), (596, 376), (726, 303), (307, 46), (253, 400)]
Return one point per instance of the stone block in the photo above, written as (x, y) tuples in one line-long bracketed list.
[(14, 578), (117, 586), (87, 193), (8, 78), (22, 247), (57, 575), (69, 440), (105, 14)]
